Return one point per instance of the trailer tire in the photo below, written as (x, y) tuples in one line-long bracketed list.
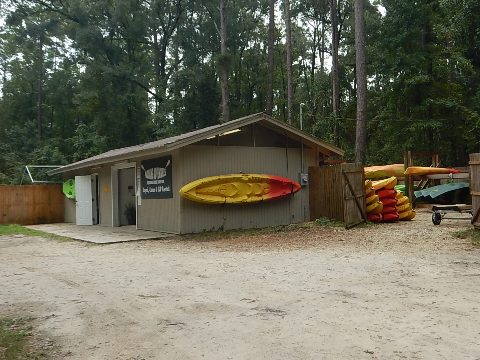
[(436, 218)]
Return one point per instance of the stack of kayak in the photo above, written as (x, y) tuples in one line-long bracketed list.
[(404, 208), (384, 203)]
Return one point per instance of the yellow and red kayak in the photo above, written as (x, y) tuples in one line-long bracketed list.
[(378, 172), (239, 189), (422, 170)]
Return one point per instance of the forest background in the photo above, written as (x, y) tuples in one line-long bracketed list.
[(79, 77)]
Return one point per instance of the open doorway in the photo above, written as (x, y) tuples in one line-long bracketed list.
[(95, 199), (126, 197)]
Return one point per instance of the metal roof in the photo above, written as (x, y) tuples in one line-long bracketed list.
[(182, 140)]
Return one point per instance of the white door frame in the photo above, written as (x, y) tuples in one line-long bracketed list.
[(114, 187)]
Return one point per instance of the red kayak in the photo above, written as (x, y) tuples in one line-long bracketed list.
[(388, 201), (390, 217), (389, 210), (386, 193), (376, 218)]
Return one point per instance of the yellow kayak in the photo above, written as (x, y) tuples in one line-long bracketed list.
[(404, 207), (377, 172), (402, 200), (368, 184), (375, 208), (385, 184), (371, 199), (238, 189), (406, 215), (369, 192), (399, 194)]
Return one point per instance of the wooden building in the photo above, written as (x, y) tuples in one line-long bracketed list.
[(108, 183)]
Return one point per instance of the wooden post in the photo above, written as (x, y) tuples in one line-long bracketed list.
[(475, 187), (408, 161)]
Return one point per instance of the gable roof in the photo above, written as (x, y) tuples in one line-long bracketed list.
[(176, 142)]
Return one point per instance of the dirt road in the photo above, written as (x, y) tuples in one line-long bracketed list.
[(407, 290)]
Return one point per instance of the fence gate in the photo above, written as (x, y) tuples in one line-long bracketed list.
[(475, 188), (337, 192)]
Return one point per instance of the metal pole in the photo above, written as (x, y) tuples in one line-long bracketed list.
[(301, 115)]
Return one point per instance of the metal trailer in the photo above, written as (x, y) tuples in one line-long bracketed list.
[(439, 212)]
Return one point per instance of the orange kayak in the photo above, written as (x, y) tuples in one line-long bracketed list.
[(423, 170)]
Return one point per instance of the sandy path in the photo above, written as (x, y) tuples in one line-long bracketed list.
[(393, 291)]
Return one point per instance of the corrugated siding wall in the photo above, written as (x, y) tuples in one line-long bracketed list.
[(201, 161), (163, 214), (69, 210)]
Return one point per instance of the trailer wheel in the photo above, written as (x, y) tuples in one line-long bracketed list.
[(436, 218)]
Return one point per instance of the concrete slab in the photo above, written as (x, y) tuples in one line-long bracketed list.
[(99, 234)]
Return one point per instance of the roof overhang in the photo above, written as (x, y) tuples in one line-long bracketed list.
[(170, 144)]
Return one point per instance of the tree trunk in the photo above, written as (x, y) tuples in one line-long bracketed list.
[(156, 64), (39, 104), (288, 31), (321, 54), (271, 43), (335, 79), (223, 66), (361, 131)]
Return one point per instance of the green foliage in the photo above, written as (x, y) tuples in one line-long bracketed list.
[(81, 77), (86, 142)]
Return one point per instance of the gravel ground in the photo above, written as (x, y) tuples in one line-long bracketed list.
[(392, 291)]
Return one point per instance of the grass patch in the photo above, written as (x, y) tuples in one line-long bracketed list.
[(323, 221), (15, 336), (15, 229), (472, 234)]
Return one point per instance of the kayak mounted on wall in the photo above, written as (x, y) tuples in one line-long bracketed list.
[(239, 189)]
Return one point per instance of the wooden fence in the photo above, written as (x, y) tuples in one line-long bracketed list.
[(475, 188), (31, 204), (337, 192)]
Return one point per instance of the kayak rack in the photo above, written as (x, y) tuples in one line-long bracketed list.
[(439, 212)]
